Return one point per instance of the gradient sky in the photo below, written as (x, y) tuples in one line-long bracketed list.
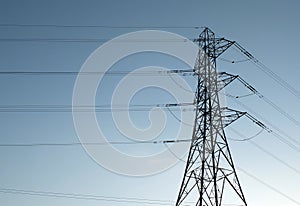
[(267, 29)]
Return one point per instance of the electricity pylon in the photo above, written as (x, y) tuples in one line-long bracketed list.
[(210, 172)]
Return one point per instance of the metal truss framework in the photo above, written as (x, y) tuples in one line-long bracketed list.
[(210, 170)]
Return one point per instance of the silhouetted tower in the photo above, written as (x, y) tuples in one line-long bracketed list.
[(210, 174)]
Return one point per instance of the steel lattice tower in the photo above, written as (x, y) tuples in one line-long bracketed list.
[(210, 171)]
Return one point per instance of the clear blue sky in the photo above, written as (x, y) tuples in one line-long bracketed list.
[(268, 29)]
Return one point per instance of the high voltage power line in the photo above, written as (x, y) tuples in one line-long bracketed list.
[(265, 99), (96, 26), (274, 189), (183, 72), (90, 40), (254, 120), (65, 108), (170, 141), (255, 177), (264, 150), (269, 186), (246, 139), (249, 56), (40, 108), (269, 72), (104, 108), (261, 66), (50, 108), (80, 196), (288, 140), (96, 108), (86, 197), (281, 135)]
